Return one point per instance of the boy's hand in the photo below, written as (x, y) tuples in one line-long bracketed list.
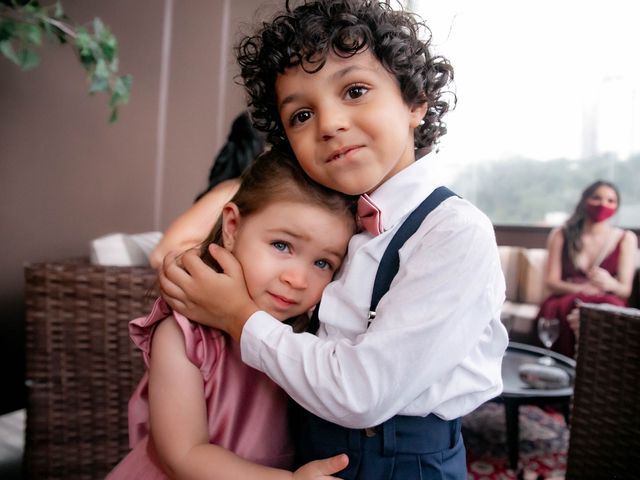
[(321, 469), (218, 300)]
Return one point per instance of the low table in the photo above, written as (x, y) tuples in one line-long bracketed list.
[(516, 392)]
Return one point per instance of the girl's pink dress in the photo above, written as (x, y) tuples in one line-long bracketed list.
[(247, 412)]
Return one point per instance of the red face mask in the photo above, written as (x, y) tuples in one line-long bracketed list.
[(598, 213)]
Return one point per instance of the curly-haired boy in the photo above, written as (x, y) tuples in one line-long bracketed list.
[(409, 336)]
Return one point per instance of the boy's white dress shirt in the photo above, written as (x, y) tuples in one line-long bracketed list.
[(436, 343)]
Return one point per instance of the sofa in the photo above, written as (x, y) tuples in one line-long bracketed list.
[(524, 276)]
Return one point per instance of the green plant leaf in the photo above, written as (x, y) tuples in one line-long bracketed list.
[(58, 11), (32, 34), (98, 27), (98, 85), (85, 46), (34, 9), (114, 65), (28, 59), (83, 39), (23, 24), (99, 77), (7, 29), (7, 50), (121, 91), (109, 46), (114, 115)]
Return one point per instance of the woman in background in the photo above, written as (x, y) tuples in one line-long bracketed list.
[(589, 260)]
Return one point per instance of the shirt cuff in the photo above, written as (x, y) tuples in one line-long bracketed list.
[(257, 328)]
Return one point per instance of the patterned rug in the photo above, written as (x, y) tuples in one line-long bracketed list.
[(544, 439)]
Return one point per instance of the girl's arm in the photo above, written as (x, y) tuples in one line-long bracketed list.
[(621, 284), (192, 227), (553, 271), (178, 422)]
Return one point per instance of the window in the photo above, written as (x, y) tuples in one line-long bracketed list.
[(548, 102)]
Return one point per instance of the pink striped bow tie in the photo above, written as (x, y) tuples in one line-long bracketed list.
[(369, 215)]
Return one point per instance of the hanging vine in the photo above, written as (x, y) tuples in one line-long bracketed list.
[(24, 25)]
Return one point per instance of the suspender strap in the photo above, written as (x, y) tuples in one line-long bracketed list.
[(390, 261)]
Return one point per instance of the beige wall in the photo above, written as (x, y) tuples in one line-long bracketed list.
[(67, 176)]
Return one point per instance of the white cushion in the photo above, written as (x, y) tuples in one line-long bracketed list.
[(510, 260), (519, 317), (120, 249), (532, 287)]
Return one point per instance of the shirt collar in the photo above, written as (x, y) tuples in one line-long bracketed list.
[(402, 193)]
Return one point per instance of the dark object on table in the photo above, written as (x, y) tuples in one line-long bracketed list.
[(544, 376), (605, 419)]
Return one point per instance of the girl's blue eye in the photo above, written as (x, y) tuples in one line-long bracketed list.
[(280, 246), (323, 264), (300, 117), (356, 91)]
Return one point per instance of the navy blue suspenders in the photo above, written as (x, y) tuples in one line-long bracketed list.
[(390, 262)]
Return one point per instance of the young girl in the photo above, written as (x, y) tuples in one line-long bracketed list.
[(589, 260), (199, 412)]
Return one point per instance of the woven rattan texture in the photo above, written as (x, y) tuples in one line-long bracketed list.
[(81, 365), (605, 420)]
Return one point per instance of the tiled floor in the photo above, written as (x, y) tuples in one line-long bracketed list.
[(11, 444)]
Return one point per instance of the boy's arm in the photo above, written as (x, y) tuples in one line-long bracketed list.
[(435, 345), (178, 420), (436, 341)]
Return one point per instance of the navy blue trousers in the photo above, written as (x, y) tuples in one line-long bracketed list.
[(402, 448)]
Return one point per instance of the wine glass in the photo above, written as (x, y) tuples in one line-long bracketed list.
[(548, 332)]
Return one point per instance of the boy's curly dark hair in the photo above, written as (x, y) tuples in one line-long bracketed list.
[(306, 34)]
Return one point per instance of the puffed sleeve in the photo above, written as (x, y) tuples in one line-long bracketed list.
[(202, 346)]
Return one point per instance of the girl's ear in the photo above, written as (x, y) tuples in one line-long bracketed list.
[(417, 113), (230, 225)]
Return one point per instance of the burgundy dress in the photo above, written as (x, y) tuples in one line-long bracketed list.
[(560, 305), (246, 411)]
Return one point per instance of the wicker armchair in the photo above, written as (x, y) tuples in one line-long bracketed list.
[(81, 365), (605, 420)]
